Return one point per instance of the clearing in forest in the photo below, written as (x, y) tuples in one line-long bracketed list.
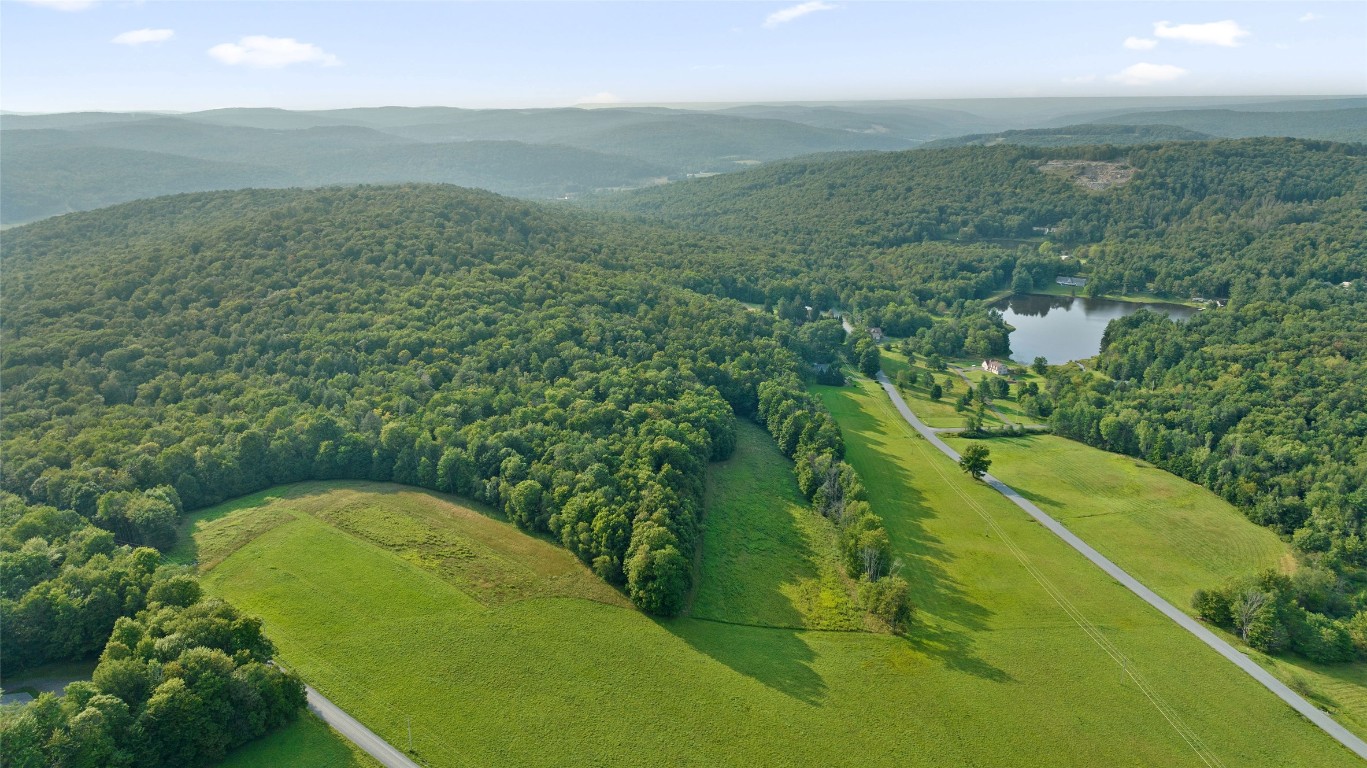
[(767, 558), (1095, 175)]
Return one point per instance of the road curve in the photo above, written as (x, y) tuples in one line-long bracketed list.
[(358, 734), (1315, 715)]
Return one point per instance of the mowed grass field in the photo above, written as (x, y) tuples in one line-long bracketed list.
[(1173, 535), (562, 671), (999, 588)]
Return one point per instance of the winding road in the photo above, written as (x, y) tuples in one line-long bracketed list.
[(356, 733), (1315, 715)]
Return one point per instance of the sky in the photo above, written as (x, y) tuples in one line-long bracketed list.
[(72, 55)]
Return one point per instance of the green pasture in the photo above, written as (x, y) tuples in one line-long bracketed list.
[(960, 540), (1173, 535), (561, 670), (935, 413)]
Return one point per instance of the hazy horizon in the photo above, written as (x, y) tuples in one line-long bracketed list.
[(87, 55), (1213, 100)]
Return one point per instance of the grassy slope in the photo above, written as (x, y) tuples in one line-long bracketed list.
[(1175, 536), (1178, 535), (981, 607), (767, 558), (997, 676)]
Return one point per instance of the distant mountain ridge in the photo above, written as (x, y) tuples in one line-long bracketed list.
[(1072, 135), (58, 163)]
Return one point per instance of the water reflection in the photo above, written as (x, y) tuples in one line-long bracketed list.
[(1063, 328)]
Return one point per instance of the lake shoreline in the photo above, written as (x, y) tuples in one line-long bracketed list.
[(1063, 328)]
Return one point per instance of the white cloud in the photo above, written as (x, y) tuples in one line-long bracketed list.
[(1147, 74), (63, 5), (262, 52), (602, 97), (1140, 43), (141, 36), (795, 12), (1080, 79), (1312, 16), (1223, 33)]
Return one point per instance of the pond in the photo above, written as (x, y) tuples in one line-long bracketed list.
[(1063, 328)]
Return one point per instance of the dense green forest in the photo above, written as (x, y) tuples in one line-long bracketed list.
[(214, 345)]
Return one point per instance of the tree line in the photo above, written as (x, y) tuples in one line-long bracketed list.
[(436, 337)]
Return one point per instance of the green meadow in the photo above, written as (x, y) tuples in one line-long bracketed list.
[(1173, 535), (766, 558), (504, 650)]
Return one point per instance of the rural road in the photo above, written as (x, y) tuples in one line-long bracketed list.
[(1312, 713), (358, 734)]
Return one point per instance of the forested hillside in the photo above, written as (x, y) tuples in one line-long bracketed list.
[(1260, 400), (219, 344), (1348, 123), (1190, 218), (1074, 135)]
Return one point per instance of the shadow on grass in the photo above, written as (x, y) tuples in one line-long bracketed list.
[(924, 557), (777, 658)]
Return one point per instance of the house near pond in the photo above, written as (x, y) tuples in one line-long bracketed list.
[(877, 334), (1077, 282)]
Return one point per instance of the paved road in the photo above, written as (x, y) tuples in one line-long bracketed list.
[(358, 734), (1311, 712)]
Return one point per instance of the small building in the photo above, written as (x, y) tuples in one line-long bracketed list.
[(876, 333), (1076, 282), (997, 367)]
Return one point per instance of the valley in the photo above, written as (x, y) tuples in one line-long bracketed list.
[(610, 477)]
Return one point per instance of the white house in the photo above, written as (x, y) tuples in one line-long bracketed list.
[(997, 367)]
